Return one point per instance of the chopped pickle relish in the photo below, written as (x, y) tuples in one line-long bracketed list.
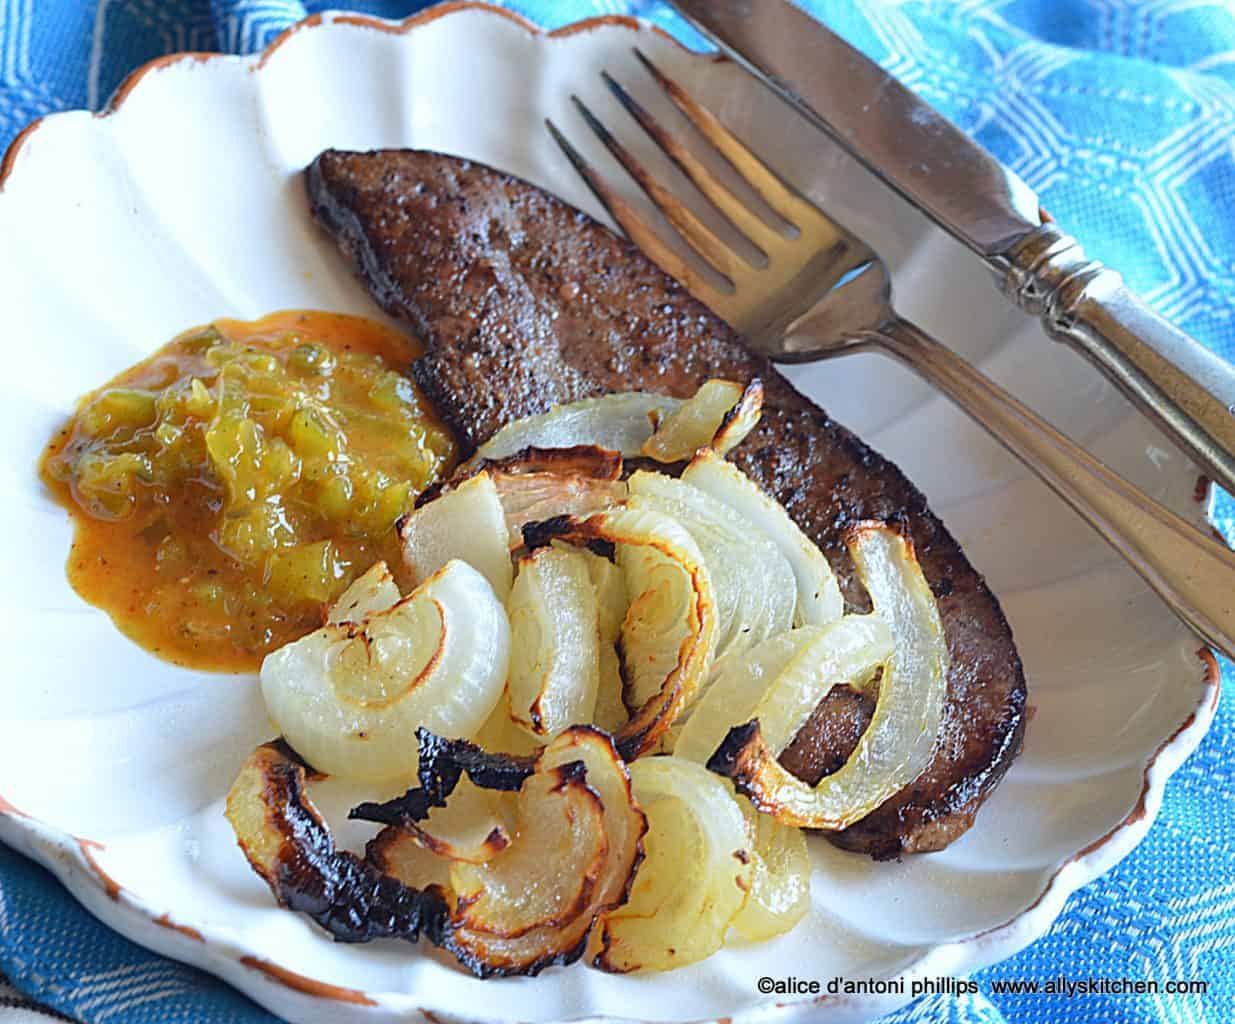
[(230, 486)]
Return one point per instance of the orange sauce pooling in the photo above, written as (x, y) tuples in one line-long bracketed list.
[(229, 487)]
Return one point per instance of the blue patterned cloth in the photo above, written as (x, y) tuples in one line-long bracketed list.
[(1121, 113)]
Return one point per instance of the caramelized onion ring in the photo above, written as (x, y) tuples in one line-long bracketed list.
[(540, 483), (779, 894), (288, 844), (781, 681), (545, 880), (819, 598), (897, 745), (669, 632), (442, 763), (466, 523), (579, 460), (620, 422), (349, 695), (474, 826), (559, 879), (718, 416), (695, 879), (555, 641), (752, 582)]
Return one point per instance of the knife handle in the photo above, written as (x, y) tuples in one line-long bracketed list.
[(1182, 386)]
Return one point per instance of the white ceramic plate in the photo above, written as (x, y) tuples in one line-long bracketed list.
[(184, 203)]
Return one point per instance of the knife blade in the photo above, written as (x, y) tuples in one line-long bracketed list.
[(1177, 382), (897, 136)]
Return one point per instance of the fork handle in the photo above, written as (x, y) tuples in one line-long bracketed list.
[(1182, 386), (1192, 573)]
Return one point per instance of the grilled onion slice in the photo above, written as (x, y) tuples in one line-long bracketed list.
[(546, 878), (694, 878), (395, 852), (555, 654), (620, 422), (581, 460), (371, 592), (819, 597), (442, 764), (734, 694), (474, 827), (782, 681), (350, 696), (897, 743), (669, 631), (779, 894), (719, 415), (532, 485), (535, 903), (611, 607), (502, 732), (624, 823), (752, 582), (534, 497), (288, 844), (541, 483), (467, 523)]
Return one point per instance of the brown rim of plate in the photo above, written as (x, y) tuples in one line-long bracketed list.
[(303, 983), (134, 78)]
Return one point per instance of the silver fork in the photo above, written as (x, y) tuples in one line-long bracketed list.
[(825, 293)]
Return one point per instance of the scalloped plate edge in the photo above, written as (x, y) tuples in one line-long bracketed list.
[(71, 860)]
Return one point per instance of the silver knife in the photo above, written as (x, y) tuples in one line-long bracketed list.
[(1177, 382)]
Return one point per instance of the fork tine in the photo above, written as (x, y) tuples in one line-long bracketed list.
[(639, 232), (759, 233), (792, 207), (694, 232)]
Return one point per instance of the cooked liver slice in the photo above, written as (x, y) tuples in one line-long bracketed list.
[(524, 302)]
